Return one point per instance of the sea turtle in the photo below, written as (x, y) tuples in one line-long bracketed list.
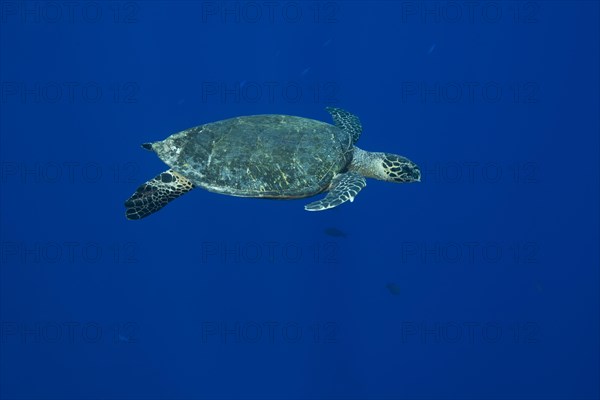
[(269, 156)]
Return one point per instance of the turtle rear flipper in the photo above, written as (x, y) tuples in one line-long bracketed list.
[(344, 187), (156, 193)]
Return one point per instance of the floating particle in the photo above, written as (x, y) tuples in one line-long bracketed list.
[(393, 288), (335, 232)]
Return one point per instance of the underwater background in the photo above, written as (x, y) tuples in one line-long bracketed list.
[(479, 282)]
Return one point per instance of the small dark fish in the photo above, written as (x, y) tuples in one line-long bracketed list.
[(393, 288), (335, 232)]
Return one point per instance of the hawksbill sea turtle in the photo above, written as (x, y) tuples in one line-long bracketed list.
[(269, 156)]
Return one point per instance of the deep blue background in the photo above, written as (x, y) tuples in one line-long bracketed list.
[(494, 277)]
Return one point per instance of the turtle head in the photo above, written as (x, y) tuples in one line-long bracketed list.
[(385, 166), (399, 169)]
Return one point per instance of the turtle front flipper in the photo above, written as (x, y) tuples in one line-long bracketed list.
[(156, 193), (344, 187), (346, 121)]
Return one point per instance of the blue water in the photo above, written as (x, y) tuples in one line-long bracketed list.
[(480, 282)]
